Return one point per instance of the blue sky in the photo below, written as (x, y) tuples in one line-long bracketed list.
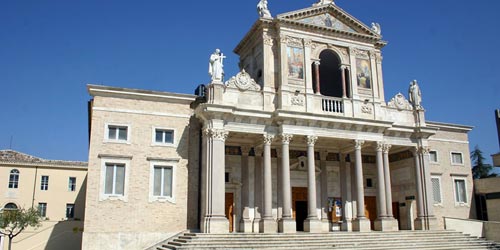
[(50, 50)]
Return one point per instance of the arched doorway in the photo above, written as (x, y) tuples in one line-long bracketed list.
[(330, 74)]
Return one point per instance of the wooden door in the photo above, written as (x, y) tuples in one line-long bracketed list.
[(395, 212), (230, 210), (299, 206), (371, 209)]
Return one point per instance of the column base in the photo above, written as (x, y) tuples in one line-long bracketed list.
[(246, 226), (327, 226), (215, 225), (255, 225), (426, 223), (386, 225), (313, 226), (346, 226), (287, 226), (268, 226), (361, 225)]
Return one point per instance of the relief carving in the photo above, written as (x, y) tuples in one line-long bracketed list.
[(243, 81), (367, 109), (297, 101), (400, 102)]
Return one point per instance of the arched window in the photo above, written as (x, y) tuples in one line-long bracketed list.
[(14, 178), (10, 206), (330, 74)]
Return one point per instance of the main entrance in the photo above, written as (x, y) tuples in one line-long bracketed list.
[(230, 210), (371, 209), (299, 206)]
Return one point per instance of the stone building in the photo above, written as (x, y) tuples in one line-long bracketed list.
[(56, 188), (302, 139)]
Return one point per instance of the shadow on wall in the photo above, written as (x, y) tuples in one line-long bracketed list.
[(68, 234), (193, 133)]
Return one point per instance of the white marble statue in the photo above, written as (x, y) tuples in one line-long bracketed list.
[(376, 28), (263, 10), (415, 95), (216, 66), (324, 2)]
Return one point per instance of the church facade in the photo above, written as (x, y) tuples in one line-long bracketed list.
[(302, 139)]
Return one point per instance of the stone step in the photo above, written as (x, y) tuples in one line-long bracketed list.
[(388, 237)]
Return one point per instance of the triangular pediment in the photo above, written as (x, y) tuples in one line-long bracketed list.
[(328, 17)]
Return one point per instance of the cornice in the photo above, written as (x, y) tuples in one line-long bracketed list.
[(107, 91)]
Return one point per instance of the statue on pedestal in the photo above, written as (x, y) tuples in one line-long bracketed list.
[(324, 2), (376, 28), (263, 10), (216, 66), (415, 95)]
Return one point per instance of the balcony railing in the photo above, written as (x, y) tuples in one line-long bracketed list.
[(332, 105)]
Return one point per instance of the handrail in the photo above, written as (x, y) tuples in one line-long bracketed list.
[(332, 105)]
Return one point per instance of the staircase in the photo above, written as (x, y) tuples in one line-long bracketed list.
[(438, 240)]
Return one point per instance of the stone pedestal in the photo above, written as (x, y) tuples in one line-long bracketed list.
[(313, 226), (326, 225), (215, 225), (430, 223), (346, 226), (268, 226), (386, 225), (246, 226), (287, 226), (361, 225)]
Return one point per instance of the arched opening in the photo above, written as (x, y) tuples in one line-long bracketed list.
[(10, 206), (330, 74)]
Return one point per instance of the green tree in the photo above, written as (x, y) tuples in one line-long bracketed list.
[(13, 222), (480, 169)]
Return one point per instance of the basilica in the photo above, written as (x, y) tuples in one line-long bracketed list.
[(303, 138)]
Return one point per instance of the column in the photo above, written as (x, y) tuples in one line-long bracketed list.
[(361, 224), (420, 220), (388, 186), (342, 71), (345, 182), (311, 224), (258, 191), (324, 191), (432, 223), (316, 72), (213, 188), (287, 223), (381, 193), (267, 223), (245, 223)]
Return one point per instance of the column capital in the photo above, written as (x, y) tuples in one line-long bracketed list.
[(286, 138), (245, 150), (317, 63), (216, 134), (311, 140), (278, 152), (424, 150), (258, 151), (343, 67), (268, 139), (387, 147), (380, 146), (358, 144), (323, 154)]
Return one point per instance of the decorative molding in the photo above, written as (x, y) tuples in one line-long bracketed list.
[(216, 134), (379, 57), (400, 102), (358, 144), (286, 138), (308, 43), (243, 82), (362, 54), (311, 140), (268, 139), (367, 109), (297, 101), (294, 42), (268, 40)]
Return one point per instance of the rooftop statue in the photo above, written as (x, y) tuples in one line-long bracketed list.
[(263, 10), (324, 2), (415, 95), (216, 66), (376, 28)]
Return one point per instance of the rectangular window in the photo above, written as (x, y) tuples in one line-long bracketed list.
[(14, 178), (115, 179), (44, 184), (433, 156), (72, 184), (164, 136), (162, 181), (456, 158), (42, 209), (460, 191), (436, 189), (70, 211), (117, 133)]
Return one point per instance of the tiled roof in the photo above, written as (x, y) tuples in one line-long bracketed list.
[(12, 156)]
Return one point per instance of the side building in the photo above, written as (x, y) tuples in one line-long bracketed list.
[(301, 139), (56, 188)]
